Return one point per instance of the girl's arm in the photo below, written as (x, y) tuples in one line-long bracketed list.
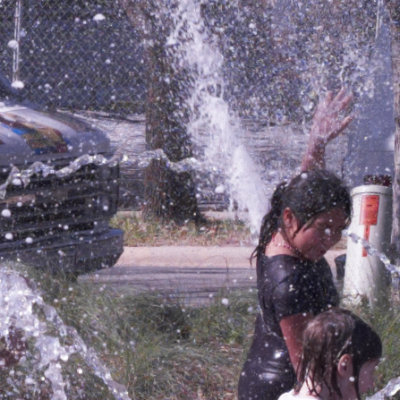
[(292, 328), (327, 124)]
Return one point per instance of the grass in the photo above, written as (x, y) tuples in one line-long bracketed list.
[(152, 232), (155, 346), (160, 349), (387, 323)]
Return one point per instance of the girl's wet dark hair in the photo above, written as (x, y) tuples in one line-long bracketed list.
[(307, 195), (326, 339)]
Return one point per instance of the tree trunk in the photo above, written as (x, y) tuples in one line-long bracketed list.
[(168, 195), (395, 31)]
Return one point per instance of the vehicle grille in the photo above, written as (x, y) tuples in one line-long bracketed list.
[(50, 207)]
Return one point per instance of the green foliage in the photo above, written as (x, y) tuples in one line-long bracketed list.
[(139, 231), (154, 345), (387, 323), (158, 347)]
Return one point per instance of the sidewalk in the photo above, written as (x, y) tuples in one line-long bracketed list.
[(188, 274), (198, 256), (191, 274), (186, 256)]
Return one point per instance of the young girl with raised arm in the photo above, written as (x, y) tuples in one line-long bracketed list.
[(294, 281)]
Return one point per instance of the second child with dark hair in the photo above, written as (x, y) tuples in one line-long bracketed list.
[(340, 355), (294, 281)]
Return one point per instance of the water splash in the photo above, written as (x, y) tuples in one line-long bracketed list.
[(213, 127), (391, 390), (372, 251), (20, 307), (144, 159), (18, 177)]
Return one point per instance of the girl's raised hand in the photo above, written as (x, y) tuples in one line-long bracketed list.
[(329, 121)]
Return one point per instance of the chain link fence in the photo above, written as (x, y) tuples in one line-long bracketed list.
[(80, 56), (74, 55), (86, 55)]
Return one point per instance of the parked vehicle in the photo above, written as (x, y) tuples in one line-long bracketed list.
[(58, 189)]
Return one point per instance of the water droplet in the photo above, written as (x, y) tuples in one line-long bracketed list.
[(9, 236), (13, 44), (99, 17), (6, 213), (220, 189), (225, 301), (18, 84), (29, 381), (278, 354)]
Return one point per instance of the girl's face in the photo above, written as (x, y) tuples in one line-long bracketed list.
[(315, 239), (366, 378)]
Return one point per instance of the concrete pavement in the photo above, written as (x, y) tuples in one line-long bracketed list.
[(193, 274), (196, 256), (187, 256)]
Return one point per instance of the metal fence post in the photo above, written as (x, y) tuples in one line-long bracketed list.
[(17, 37)]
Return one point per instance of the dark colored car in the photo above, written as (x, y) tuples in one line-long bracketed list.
[(58, 189)]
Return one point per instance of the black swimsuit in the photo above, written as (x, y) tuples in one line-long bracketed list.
[(286, 286)]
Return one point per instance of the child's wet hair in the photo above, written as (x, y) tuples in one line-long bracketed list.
[(306, 195), (326, 339)]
